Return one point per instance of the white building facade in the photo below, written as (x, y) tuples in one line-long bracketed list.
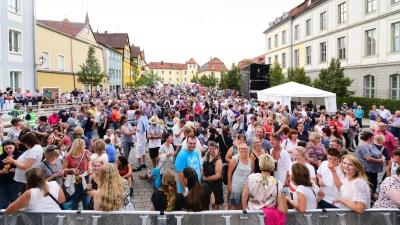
[(363, 34)]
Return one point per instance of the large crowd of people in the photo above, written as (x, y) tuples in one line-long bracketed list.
[(269, 156)]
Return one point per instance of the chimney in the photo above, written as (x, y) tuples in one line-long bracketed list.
[(162, 62), (105, 32)]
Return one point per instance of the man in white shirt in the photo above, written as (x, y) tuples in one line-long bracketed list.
[(177, 132), (247, 106), (231, 116), (325, 177), (384, 113)]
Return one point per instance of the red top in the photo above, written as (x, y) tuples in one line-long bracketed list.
[(82, 166), (122, 172)]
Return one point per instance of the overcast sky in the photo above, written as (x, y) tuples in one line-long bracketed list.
[(176, 30)]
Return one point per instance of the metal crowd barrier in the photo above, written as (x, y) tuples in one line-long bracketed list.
[(237, 217)]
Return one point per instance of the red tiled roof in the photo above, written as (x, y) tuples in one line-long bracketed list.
[(167, 65), (191, 61), (213, 65), (115, 40), (135, 51), (299, 8), (142, 55), (259, 59), (64, 26)]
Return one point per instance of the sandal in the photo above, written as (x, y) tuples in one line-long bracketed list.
[(141, 176)]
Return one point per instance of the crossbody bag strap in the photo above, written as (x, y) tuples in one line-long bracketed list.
[(55, 200), (45, 163), (223, 139)]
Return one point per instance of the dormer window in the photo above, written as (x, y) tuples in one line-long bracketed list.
[(87, 30)]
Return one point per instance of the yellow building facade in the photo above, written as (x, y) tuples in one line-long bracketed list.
[(126, 64), (64, 50), (174, 73), (214, 66)]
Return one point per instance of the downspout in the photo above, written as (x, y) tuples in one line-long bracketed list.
[(72, 65), (34, 45)]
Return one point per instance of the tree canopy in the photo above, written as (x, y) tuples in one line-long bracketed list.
[(91, 72), (276, 75), (149, 79), (231, 79), (332, 79), (298, 75)]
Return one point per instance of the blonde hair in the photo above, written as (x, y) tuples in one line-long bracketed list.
[(76, 147), (161, 122), (99, 160), (285, 120), (111, 189), (302, 150), (379, 139), (26, 125), (99, 146), (78, 132), (313, 136), (266, 163), (168, 186), (51, 151), (252, 143), (89, 113), (187, 129), (243, 145), (360, 173)]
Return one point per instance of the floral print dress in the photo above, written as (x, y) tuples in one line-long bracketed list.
[(263, 191)]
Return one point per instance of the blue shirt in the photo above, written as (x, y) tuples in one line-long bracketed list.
[(111, 152), (185, 159), (293, 121), (359, 113), (143, 124)]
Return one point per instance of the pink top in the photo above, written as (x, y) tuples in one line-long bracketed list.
[(28, 94), (390, 141)]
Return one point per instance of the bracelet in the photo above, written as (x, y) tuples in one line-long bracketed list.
[(333, 171)]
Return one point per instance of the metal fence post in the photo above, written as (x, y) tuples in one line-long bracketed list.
[(95, 219), (261, 218), (308, 218), (227, 219), (387, 218), (60, 219), (13, 220), (178, 219), (144, 219), (341, 218)]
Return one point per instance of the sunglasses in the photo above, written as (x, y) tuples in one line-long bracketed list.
[(52, 148)]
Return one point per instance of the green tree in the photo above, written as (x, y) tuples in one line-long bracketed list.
[(195, 79), (232, 79), (90, 72), (276, 75), (332, 79), (149, 79), (298, 75), (135, 74)]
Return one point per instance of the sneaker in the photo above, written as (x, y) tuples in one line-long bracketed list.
[(352, 150), (143, 166), (137, 169)]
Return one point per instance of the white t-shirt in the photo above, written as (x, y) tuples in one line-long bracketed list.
[(231, 116), (175, 130), (103, 156), (39, 202), (111, 138), (287, 145), (310, 169), (36, 153), (283, 165), (310, 193), (330, 189)]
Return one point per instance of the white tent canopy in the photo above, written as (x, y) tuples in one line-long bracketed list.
[(300, 93)]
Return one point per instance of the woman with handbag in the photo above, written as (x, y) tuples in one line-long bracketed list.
[(76, 164), (40, 194)]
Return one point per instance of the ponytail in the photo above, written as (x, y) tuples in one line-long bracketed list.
[(196, 196), (171, 198)]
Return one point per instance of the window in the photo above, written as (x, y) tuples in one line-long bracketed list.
[(341, 48), (308, 27), (162, 79), (87, 30), (61, 63), (370, 5), (296, 58), (46, 64), (15, 80), (276, 57), (213, 66), (184, 79), (170, 79), (14, 41), (322, 47), (14, 6), (276, 40), (221, 66), (283, 60), (395, 1), (176, 72), (323, 20), (370, 41), (185, 72), (395, 86), (269, 43), (177, 79), (169, 72), (342, 12), (109, 54), (284, 37), (369, 86), (396, 37), (269, 60), (162, 72), (308, 55), (296, 32)]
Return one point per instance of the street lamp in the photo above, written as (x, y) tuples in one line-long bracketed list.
[(42, 60)]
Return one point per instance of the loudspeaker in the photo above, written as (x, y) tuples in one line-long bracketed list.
[(258, 85), (259, 71)]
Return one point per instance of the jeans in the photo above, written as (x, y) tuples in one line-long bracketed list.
[(126, 147), (29, 100), (373, 180), (89, 134), (395, 131), (79, 195), (1, 103), (325, 205), (8, 194), (347, 138), (115, 125), (359, 120)]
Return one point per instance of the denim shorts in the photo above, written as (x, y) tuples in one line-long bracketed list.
[(235, 201)]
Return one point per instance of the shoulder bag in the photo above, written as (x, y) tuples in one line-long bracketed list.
[(66, 194)]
